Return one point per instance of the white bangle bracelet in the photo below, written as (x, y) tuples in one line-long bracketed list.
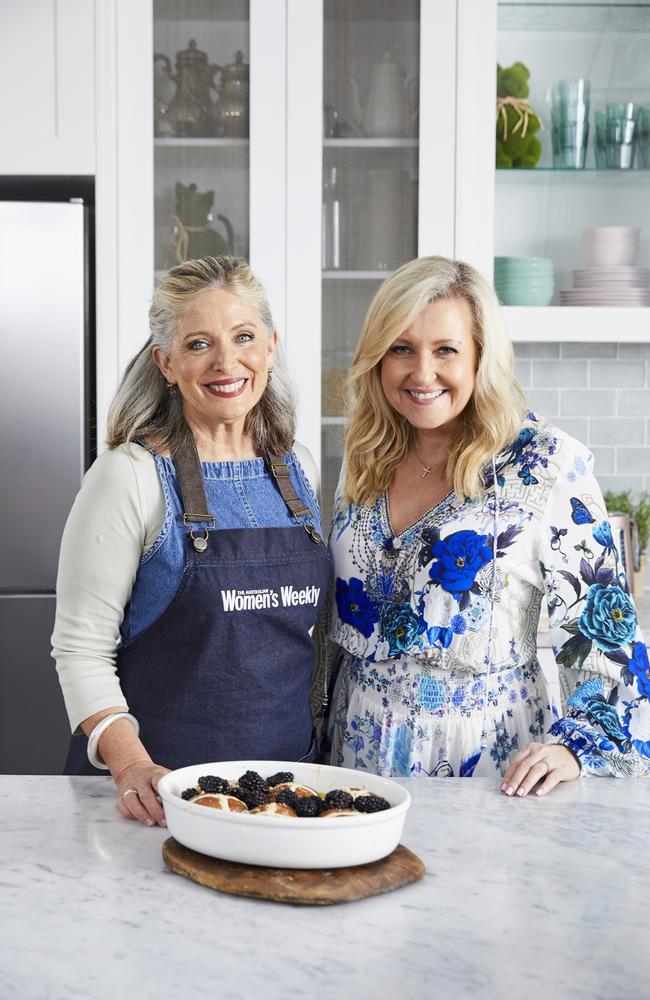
[(101, 727)]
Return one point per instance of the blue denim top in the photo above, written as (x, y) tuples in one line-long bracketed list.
[(240, 495)]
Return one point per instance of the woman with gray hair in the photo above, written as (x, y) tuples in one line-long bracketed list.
[(458, 513), (192, 570)]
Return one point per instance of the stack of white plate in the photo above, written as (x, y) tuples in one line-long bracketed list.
[(609, 286)]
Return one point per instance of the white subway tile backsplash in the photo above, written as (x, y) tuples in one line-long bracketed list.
[(623, 374), (633, 460), (545, 402), (599, 393), (537, 350), (559, 373), (616, 430), (604, 461), (627, 351), (590, 350), (577, 427), (634, 403), (619, 483), (523, 371), (587, 403)]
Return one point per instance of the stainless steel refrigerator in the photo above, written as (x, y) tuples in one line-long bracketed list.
[(45, 418)]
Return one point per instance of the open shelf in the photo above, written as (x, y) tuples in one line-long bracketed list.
[(184, 143), (560, 15), (521, 175), (364, 142), (355, 275), (627, 325)]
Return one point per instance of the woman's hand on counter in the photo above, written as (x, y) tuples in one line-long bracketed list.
[(548, 763), (134, 773), (138, 798)]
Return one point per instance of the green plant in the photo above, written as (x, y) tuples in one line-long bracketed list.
[(641, 515), (619, 503), (517, 123), (639, 511)]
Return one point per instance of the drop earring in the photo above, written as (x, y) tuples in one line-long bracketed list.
[(172, 388), (270, 375)]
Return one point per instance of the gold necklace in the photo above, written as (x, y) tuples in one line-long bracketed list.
[(426, 469)]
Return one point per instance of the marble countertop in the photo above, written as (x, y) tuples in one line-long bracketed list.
[(532, 898)]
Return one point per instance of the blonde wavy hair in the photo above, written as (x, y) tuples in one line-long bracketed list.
[(143, 407), (378, 438)]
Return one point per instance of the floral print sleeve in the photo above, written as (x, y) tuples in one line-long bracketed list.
[(596, 639)]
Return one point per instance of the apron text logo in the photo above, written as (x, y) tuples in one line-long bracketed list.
[(256, 600), (291, 596), (249, 600)]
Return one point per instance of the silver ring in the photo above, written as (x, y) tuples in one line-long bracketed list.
[(124, 794), (548, 766)]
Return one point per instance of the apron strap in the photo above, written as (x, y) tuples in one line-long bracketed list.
[(195, 503), (190, 477), (280, 472)]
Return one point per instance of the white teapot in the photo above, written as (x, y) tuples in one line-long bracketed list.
[(390, 108)]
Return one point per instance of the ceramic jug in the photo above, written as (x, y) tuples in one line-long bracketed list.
[(193, 234), (190, 113), (389, 109), (231, 111)]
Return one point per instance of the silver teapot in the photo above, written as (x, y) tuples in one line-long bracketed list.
[(232, 108), (191, 110)]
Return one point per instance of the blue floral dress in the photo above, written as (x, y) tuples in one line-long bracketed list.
[(438, 625)]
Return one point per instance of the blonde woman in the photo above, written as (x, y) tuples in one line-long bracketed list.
[(192, 571), (457, 515)]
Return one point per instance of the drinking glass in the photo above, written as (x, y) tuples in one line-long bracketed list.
[(621, 125), (570, 123)]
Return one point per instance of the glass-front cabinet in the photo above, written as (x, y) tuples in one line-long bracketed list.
[(291, 132), (201, 129), (572, 177), (371, 59), (331, 140)]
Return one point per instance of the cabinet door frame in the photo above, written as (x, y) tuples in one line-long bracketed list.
[(476, 133), (437, 210), (438, 155), (304, 186), (124, 190), (268, 151)]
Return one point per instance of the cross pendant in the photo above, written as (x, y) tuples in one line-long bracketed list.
[(426, 471)]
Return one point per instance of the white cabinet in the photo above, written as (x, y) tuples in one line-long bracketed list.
[(47, 79), (269, 183), (543, 211), (325, 193)]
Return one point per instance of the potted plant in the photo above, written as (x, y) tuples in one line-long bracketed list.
[(639, 514)]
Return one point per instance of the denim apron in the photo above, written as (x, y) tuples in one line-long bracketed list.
[(225, 671)]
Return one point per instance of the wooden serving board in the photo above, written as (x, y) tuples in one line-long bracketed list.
[(309, 887)]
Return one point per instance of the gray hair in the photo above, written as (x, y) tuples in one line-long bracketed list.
[(143, 407)]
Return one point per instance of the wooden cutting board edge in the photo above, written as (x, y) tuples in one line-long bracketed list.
[(302, 887)]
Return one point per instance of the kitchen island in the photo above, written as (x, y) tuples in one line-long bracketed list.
[(522, 899)]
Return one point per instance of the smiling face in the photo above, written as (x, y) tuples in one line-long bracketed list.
[(219, 358), (428, 373)]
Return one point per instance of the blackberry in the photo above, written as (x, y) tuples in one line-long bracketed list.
[(279, 779), (252, 780), (189, 793), (338, 799), (287, 796), (215, 786), (251, 797), (308, 805), (371, 804)]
